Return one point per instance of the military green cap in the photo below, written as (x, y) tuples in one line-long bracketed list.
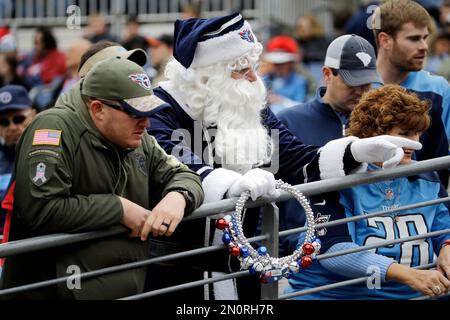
[(123, 82)]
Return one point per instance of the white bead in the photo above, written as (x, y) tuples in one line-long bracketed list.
[(293, 266), (317, 247), (247, 262), (258, 266)]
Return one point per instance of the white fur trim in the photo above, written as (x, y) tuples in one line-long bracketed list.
[(217, 183), (223, 48), (331, 162)]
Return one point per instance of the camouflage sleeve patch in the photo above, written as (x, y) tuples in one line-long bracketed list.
[(47, 137)]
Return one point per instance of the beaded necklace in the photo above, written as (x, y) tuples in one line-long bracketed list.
[(259, 261)]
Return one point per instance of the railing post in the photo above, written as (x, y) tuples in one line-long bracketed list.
[(270, 222)]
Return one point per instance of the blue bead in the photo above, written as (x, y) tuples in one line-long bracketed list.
[(252, 270), (262, 251), (226, 238), (244, 252), (317, 240)]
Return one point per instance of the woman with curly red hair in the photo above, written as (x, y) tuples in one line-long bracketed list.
[(394, 111)]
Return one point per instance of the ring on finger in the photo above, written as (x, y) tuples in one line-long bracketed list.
[(165, 224), (437, 290)]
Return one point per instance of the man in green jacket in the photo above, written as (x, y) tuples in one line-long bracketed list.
[(88, 164)]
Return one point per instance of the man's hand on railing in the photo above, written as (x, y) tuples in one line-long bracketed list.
[(165, 217), (259, 182), (385, 149), (134, 216)]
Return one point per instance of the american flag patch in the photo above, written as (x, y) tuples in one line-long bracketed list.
[(47, 137)]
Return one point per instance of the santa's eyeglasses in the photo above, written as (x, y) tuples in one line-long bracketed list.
[(18, 119), (244, 73)]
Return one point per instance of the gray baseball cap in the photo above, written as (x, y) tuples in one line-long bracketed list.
[(124, 83), (354, 58)]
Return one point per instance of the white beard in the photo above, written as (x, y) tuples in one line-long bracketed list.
[(234, 106)]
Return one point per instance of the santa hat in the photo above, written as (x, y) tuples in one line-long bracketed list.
[(282, 49), (203, 42)]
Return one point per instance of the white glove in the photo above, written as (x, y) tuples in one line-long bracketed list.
[(386, 149), (259, 182)]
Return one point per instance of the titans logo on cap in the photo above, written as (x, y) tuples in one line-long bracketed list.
[(247, 35), (5, 97), (142, 80)]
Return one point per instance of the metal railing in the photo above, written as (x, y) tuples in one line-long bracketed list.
[(270, 232)]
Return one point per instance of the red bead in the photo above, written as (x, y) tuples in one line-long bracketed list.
[(263, 279), (221, 224), (308, 249), (306, 262), (235, 251)]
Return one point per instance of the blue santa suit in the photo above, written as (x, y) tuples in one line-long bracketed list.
[(366, 199), (297, 163)]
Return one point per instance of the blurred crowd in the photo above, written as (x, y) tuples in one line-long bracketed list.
[(291, 65)]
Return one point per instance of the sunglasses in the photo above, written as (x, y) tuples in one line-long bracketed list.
[(5, 122), (118, 107)]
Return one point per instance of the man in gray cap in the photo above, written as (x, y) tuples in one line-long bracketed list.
[(349, 70), (89, 164)]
